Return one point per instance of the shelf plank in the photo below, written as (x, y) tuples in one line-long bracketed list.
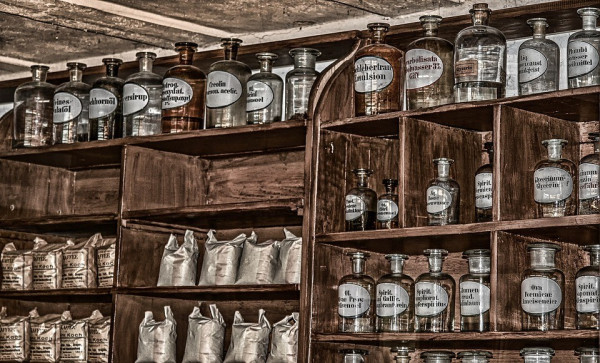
[(73, 225), (225, 292), (56, 293)]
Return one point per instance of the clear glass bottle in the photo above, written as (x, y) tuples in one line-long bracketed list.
[(539, 61), (553, 182), (361, 203), (582, 51), (434, 296), (537, 355), (479, 59), (378, 75), (589, 168), (542, 287), (475, 292), (429, 68), (475, 356), (183, 93), (354, 355), (265, 93), (356, 298), (106, 103), (33, 112), (588, 354), (142, 99), (437, 356), (443, 196), (71, 107), (484, 182), (226, 92), (402, 354), (299, 82), (395, 296), (587, 291), (387, 206)]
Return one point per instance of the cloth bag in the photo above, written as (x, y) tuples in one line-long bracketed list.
[(284, 340), (249, 341), (17, 266), (178, 265), (289, 263), (79, 264), (44, 337), (221, 260), (204, 342), (14, 337), (258, 262), (156, 341)]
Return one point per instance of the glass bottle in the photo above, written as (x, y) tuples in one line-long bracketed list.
[(539, 61), (142, 98), (542, 287), (484, 187), (589, 168), (587, 291), (299, 82), (434, 296), (537, 355), (553, 182), (437, 356), (475, 356), (106, 103), (429, 68), (378, 75), (479, 59), (387, 206), (361, 203), (588, 355), (183, 93), (226, 92), (356, 298), (71, 107), (475, 292), (402, 354), (265, 93), (33, 112), (443, 196), (395, 296), (354, 355), (582, 51)]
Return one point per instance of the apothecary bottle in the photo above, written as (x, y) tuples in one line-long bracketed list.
[(475, 292), (588, 355), (183, 93), (429, 68), (539, 61), (402, 354), (434, 296), (537, 354), (582, 51), (395, 296), (299, 82), (354, 355), (142, 99), (361, 203), (587, 291), (356, 298), (387, 206), (479, 59), (71, 107), (106, 103), (553, 182), (378, 75), (542, 287), (437, 356), (589, 169), (33, 112), (443, 196), (483, 187), (265, 93)]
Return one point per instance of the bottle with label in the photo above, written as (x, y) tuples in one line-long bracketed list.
[(434, 296), (479, 59), (402, 354), (71, 108), (475, 356), (387, 206), (356, 298), (542, 289), (265, 93), (484, 182), (587, 291), (589, 168), (354, 355), (588, 355), (142, 98), (395, 296), (429, 68), (539, 61), (553, 181), (443, 196), (299, 82), (378, 75), (106, 103), (183, 93), (361, 203), (32, 122), (582, 51), (475, 292), (537, 354), (437, 356)]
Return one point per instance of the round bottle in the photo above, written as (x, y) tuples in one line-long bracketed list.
[(106, 103), (583, 51), (475, 356), (484, 182), (265, 93), (437, 356), (356, 298), (539, 61), (587, 291), (354, 355), (443, 196), (537, 355), (475, 292), (589, 169), (361, 203), (71, 108), (299, 82), (395, 296), (402, 354), (588, 355)]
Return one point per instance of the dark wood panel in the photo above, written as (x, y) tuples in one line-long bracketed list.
[(96, 191), (66, 225)]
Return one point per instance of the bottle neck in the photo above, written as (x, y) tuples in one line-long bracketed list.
[(437, 360), (186, 57), (554, 151), (480, 17), (589, 22), (390, 189), (39, 75), (539, 30), (431, 29), (435, 265), (353, 358), (589, 359), (443, 170), (146, 64), (231, 52), (397, 266), (542, 258), (479, 265), (358, 266), (76, 75), (400, 359), (362, 181), (595, 258), (305, 60), (474, 360), (538, 359), (112, 70), (490, 157), (266, 65)]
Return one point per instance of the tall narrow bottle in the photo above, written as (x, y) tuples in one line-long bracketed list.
[(361, 203), (484, 182), (437, 356), (588, 354), (539, 61), (71, 108), (587, 291), (475, 292), (429, 68), (299, 82), (537, 355), (443, 196), (387, 206), (402, 354), (589, 169), (354, 355), (265, 93), (356, 298), (582, 51), (32, 122), (395, 296), (106, 103)]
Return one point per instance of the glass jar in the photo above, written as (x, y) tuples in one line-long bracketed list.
[(265, 93), (356, 298), (361, 203), (588, 355), (484, 182), (354, 355), (402, 354), (582, 51), (587, 291), (537, 355), (299, 82), (443, 196), (387, 206), (395, 296), (437, 356), (589, 168), (475, 292), (106, 103), (539, 61), (475, 356), (71, 108)]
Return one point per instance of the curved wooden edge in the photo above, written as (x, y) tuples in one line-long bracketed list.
[(6, 131)]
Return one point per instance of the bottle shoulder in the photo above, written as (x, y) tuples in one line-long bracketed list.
[(144, 78), (539, 44), (265, 76), (363, 191), (33, 85), (435, 277), (564, 164), (73, 87), (396, 279), (593, 271), (487, 168), (591, 159), (434, 44), (185, 72), (230, 66), (479, 35), (449, 184), (552, 273), (480, 278), (108, 82), (357, 279), (380, 50), (583, 35), (301, 72)]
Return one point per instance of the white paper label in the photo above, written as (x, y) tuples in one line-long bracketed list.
[(474, 298), (532, 65), (353, 300), (587, 294), (223, 89), (392, 300), (430, 299), (386, 210), (176, 93), (372, 74), (540, 295), (483, 190), (135, 98), (260, 96), (582, 58), (588, 180), (355, 207), (552, 185), (102, 102), (423, 68), (66, 107), (438, 199)]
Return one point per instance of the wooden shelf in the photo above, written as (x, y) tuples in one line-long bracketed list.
[(36, 294), (74, 225), (226, 292)]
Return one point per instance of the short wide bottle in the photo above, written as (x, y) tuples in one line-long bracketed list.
[(583, 51), (356, 298)]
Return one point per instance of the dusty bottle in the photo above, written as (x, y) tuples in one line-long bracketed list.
[(71, 108), (265, 93), (588, 354), (483, 187), (387, 206), (356, 298), (106, 103), (582, 51), (361, 203), (589, 168), (587, 291), (443, 196), (299, 82), (402, 354), (475, 292), (539, 61), (354, 355), (437, 356), (395, 296), (537, 355), (475, 356)]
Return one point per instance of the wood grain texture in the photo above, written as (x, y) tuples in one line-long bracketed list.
[(96, 191)]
